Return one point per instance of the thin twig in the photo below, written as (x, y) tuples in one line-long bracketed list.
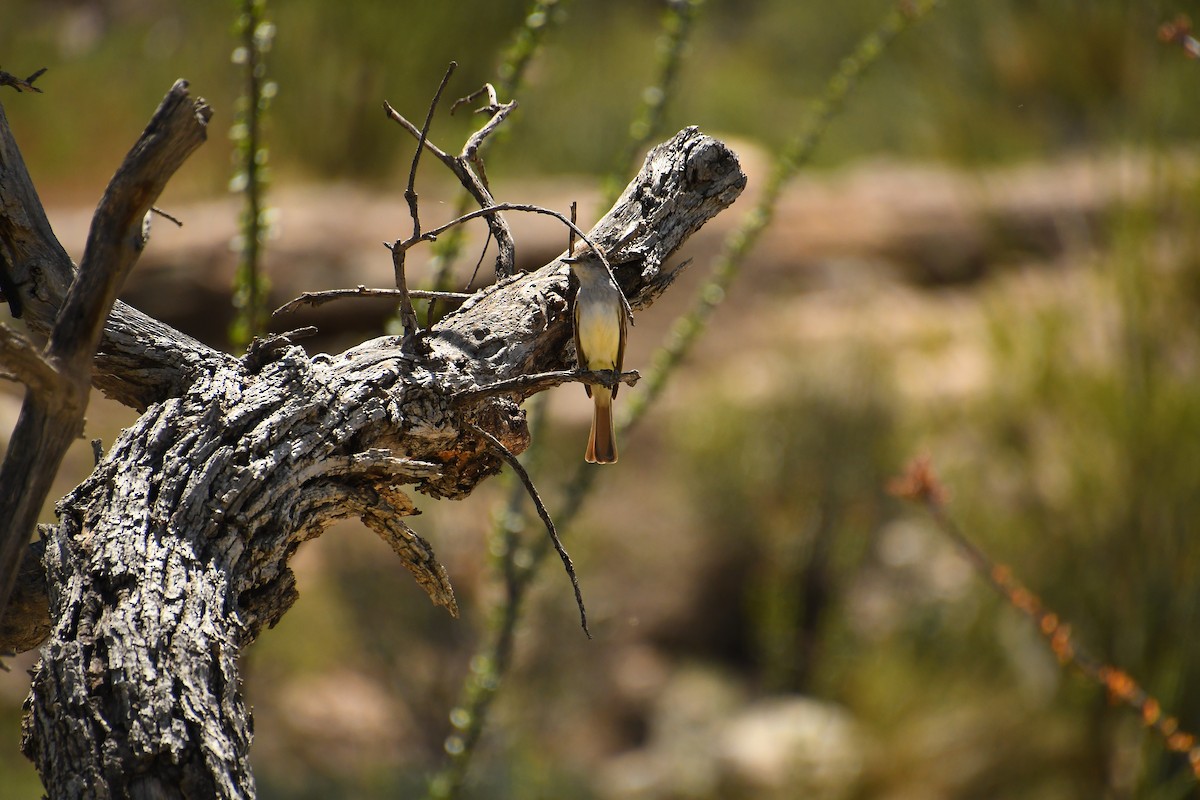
[(438, 153), (497, 111), (156, 210), (463, 168), (21, 85), (410, 192), (478, 263), (399, 248), (541, 18), (529, 384), (513, 462), (920, 485), (329, 295), (431, 235), (571, 231)]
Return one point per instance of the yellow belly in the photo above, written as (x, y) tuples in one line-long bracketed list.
[(599, 336)]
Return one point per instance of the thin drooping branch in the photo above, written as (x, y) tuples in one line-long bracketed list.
[(513, 462), (53, 417)]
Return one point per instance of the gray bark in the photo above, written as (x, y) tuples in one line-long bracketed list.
[(173, 555)]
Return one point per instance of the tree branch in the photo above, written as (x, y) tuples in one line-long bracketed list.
[(508, 456), (399, 248), (21, 85), (139, 360), (52, 417), (173, 555)]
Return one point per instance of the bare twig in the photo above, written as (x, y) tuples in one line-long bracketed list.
[(920, 485), (399, 248), (410, 192), (513, 462), (571, 231), (430, 235), (156, 210), (529, 384), (329, 295), (498, 112), (478, 263), (21, 85)]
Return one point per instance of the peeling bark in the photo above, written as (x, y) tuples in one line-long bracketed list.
[(173, 555)]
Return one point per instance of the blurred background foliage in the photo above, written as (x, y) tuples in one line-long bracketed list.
[(981, 83), (769, 622)]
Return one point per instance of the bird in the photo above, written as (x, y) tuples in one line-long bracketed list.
[(599, 344)]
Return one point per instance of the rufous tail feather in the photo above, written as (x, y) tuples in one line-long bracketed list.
[(602, 444)]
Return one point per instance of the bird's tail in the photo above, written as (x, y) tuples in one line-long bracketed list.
[(602, 443)]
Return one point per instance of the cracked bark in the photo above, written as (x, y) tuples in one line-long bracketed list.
[(173, 555)]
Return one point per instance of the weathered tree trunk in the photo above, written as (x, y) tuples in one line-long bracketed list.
[(173, 554)]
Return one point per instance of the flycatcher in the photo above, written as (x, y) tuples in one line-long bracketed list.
[(599, 344)]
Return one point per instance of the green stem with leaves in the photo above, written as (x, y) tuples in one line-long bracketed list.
[(647, 123), (255, 35)]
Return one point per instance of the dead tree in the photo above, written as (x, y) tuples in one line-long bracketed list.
[(173, 554)]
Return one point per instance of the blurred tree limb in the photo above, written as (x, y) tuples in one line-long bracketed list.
[(173, 554)]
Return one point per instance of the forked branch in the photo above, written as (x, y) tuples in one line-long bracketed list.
[(467, 167), (52, 414), (21, 84)]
